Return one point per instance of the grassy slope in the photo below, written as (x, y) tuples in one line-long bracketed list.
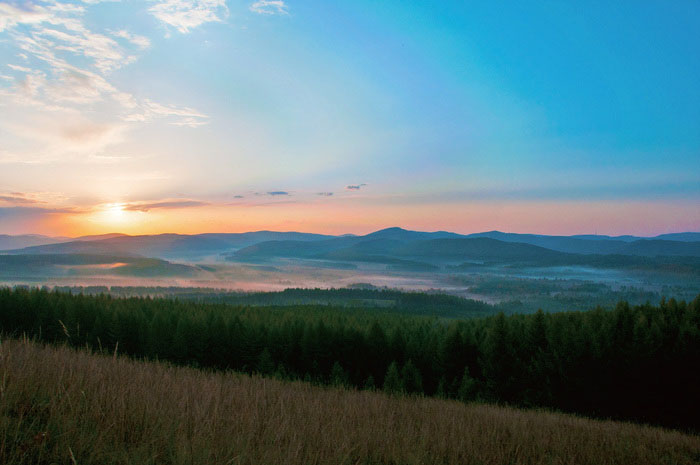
[(61, 406)]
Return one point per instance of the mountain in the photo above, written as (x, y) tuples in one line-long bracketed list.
[(603, 237), (683, 237), (370, 249), (385, 245), (376, 247), (76, 265), (401, 250), (400, 234), (654, 247), (559, 243), (477, 249), (27, 240), (166, 246), (292, 249), (603, 245), (96, 237)]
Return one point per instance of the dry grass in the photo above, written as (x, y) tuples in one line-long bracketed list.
[(62, 406)]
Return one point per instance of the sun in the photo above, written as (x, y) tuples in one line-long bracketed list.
[(115, 217), (114, 213)]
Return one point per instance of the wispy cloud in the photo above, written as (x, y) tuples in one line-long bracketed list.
[(59, 27), (21, 69), (141, 42), (17, 198), (33, 198), (325, 194), (30, 212), (185, 15), (355, 187), (11, 15), (169, 204), (277, 193), (269, 7), (65, 77), (148, 110)]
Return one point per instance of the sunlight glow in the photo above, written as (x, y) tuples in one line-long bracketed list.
[(115, 212), (112, 215)]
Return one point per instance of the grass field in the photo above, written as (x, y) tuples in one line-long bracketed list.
[(62, 406)]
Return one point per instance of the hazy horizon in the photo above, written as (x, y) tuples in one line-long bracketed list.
[(110, 233)]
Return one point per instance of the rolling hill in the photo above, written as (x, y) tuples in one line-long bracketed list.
[(165, 246), (27, 240), (75, 265)]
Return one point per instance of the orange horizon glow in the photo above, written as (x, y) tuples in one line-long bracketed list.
[(552, 218)]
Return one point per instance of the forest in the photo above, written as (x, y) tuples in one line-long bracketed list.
[(635, 363)]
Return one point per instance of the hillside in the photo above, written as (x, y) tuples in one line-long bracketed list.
[(82, 264), (63, 406), (8, 242), (480, 248), (166, 246)]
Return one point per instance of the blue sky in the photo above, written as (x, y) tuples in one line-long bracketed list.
[(477, 110)]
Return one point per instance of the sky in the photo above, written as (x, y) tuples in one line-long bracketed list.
[(195, 116)]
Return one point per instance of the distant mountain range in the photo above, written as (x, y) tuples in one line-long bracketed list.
[(394, 247), (165, 246), (29, 240), (287, 244)]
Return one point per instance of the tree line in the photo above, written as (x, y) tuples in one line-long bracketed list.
[(414, 303), (636, 363)]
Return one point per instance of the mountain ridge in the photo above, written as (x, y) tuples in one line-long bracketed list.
[(388, 241)]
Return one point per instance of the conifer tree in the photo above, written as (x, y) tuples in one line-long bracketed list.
[(412, 381), (467, 387), (369, 383), (265, 365), (499, 361), (392, 380), (338, 376)]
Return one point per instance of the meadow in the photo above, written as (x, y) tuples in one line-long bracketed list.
[(61, 405)]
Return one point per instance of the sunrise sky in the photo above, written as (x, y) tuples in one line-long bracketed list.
[(346, 117)]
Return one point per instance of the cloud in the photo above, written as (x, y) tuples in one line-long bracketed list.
[(185, 15), (11, 15), (65, 78), (190, 122), (325, 194), (11, 213), (269, 7), (19, 68), (17, 198), (170, 204), (277, 193), (89, 133), (238, 197), (59, 27), (148, 110), (141, 42), (60, 136), (355, 187)]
